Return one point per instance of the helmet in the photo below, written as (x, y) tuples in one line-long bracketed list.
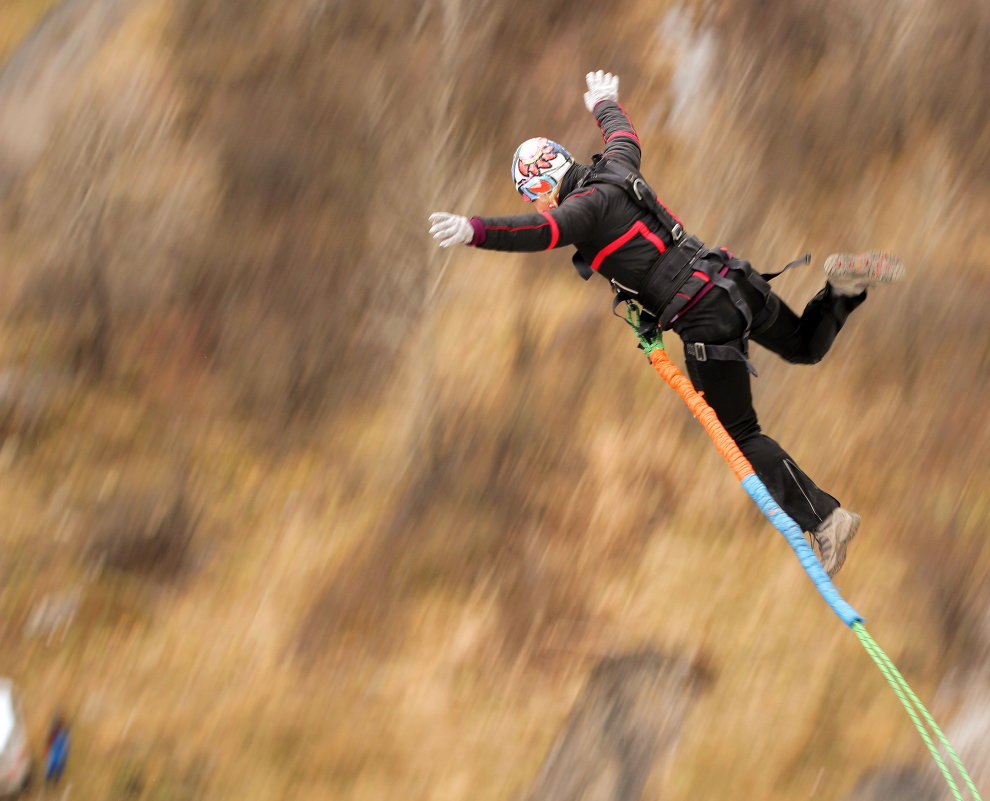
[(538, 167)]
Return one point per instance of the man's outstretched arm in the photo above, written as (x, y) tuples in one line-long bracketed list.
[(571, 222), (618, 133), (565, 225)]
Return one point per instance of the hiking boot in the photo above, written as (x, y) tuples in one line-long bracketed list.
[(832, 537), (853, 273)]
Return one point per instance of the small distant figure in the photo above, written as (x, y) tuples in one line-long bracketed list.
[(57, 751)]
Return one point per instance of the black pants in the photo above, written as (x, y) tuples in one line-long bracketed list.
[(806, 339)]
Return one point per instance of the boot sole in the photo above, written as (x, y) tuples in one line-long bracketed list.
[(877, 266)]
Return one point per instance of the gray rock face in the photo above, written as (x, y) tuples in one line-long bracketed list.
[(902, 784), (38, 79), (967, 689), (969, 732), (627, 720)]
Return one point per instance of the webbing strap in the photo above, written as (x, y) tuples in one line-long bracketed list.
[(805, 259), (730, 286), (702, 352), (674, 267), (639, 191)]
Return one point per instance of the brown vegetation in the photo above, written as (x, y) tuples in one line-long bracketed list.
[(147, 534), (424, 494)]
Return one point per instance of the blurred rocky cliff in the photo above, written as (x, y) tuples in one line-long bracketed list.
[(346, 516)]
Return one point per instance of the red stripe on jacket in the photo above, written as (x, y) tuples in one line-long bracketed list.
[(638, 227), (512, 230)]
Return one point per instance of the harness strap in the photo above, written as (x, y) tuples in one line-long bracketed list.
[(638, 190), (726, 283), (581, 265), (805, 259), (691, 302), (675, 266), (702, 352)]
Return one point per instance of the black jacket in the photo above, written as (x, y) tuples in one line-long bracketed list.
[(613, 235)]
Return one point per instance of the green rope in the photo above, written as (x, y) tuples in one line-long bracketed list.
[(634, 316), (911, 704)]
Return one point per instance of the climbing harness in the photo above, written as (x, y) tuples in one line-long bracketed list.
[(651, 341), (679, 273), (683, 273)]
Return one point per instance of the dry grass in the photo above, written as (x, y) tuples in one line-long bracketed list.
[(412, 521)]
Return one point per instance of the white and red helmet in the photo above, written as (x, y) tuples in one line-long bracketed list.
[(539, 166)]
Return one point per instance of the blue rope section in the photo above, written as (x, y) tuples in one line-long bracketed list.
[(781, 521)]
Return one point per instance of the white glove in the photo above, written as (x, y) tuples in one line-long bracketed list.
[(451, 229), (601, 86)]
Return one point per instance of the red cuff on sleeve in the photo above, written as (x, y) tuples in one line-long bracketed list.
[(480, 235)]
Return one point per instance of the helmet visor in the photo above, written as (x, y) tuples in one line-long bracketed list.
[(538, 185)]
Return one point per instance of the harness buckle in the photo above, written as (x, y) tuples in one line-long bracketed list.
[(697, 350), (635, 188), (618, 288), (677, 232)]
